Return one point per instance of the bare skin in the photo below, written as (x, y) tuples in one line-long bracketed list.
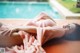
[(44, 26), (31, 45)]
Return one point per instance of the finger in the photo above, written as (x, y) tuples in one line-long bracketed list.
[(26, 41), (31, 49), (31, 40), (24, 35), (35, 43), (37, 49), (40, 35), (21, 33), (36, 46), (22, 47), (17, 50), (41, 49), (4, 33), (15, 34), (7, 48)]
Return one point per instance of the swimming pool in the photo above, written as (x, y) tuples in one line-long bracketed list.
[(25, 10)]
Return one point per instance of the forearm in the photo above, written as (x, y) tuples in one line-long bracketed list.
[(53, 32), (31, 29), (58, 31)]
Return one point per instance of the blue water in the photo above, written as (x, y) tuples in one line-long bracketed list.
[(25, 10)]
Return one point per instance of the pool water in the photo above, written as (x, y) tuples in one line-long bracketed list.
[(25, 10)]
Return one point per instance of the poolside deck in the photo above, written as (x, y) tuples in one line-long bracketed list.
[(64, 11), (59, 21)]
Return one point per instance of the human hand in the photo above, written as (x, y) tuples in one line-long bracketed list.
[(31, 45)]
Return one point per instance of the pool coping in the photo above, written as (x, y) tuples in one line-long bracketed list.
[(23, 2), (64, 12)]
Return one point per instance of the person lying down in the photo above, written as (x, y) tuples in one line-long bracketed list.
[(38, 32)]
